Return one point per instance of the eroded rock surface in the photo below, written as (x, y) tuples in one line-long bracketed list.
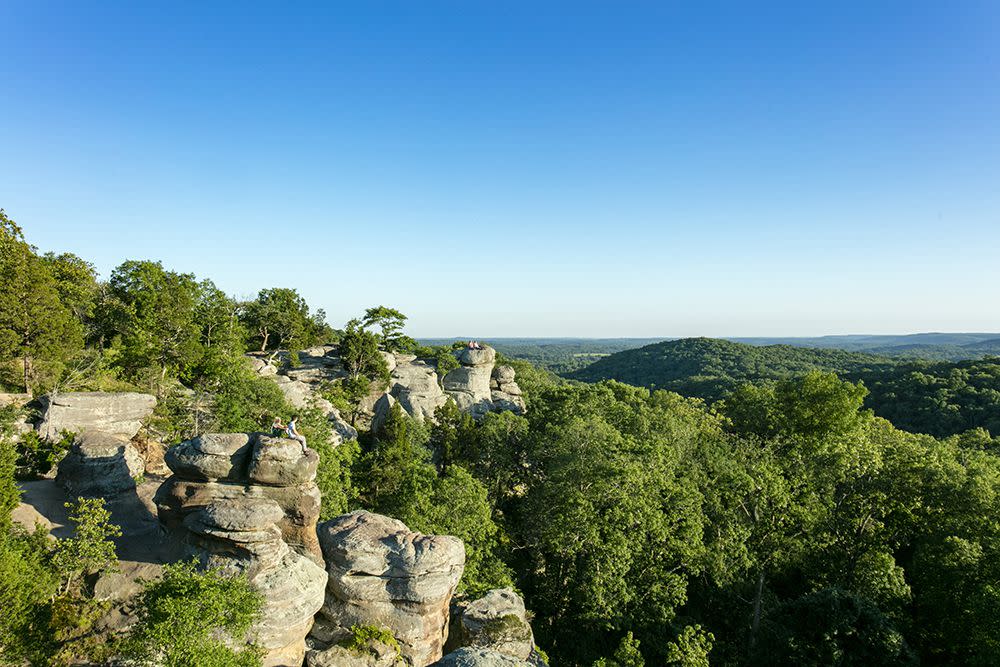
[(495, 621), (234, 466), (115, 413), (384, 574), (248, 504), (373, 653), (100, 464), (480, 657)]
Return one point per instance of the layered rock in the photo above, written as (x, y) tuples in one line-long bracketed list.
[(100, 464), (480, 657), (240, 536), (504, 391), (381, 573), (496, 621), (248, 504), (414, 384), (120, 413), (372, 653), (469, 384), (228, 466)]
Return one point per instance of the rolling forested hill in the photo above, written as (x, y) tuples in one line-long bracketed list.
[(940, 398), (708, 367)]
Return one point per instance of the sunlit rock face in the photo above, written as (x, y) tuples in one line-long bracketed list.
[(381, 573)]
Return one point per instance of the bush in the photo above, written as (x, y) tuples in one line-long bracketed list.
[(185, 616)]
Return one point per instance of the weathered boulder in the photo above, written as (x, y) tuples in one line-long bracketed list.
[(281, 462), (99, 464), (415, 385), (211, 457), (510, 402), (384, 574), (252, 467), (296, 392), (484, 356), (495, 621), (381, 410), (373, 653), (119, 413), (504, 374), (480, 657), (240, 536)]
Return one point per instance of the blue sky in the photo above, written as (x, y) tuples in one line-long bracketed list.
[(526, 168)]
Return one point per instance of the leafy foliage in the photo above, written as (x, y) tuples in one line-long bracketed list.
[(183, 614)]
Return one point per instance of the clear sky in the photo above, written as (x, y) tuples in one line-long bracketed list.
[(526, 168)]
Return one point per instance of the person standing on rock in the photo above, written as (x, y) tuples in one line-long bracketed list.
[(294, 434)]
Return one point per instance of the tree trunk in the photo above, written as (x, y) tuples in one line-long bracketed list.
[(27, 373), (264, 336), (756, 608)]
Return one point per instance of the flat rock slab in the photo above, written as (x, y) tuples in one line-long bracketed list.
[(116, 413)]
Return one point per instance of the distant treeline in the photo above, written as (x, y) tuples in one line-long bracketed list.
[(940, 398)]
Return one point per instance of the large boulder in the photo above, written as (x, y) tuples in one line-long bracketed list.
[(414, 384), (281, 462), (120, 413), (480, 657), (99, 464), (211, 457), (235, 466), (496, 621), (384, 574), (240, 536)]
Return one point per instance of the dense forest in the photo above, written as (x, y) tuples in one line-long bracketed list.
[(921, 396), (782, 523)]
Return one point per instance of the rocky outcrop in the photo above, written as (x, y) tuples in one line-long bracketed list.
[(384, 574), (300, 382), (119, 413), (99, 464), (240, 536), (469, 384), (496, 621), (373, 653), (414, 384), (504, 391), (234, 466), (248, 504), (480, 657)]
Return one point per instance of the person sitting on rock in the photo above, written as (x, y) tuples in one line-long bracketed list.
[(294, 434), (277, 428)]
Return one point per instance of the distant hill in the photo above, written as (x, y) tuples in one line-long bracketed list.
[(709, 367), (941, 398)]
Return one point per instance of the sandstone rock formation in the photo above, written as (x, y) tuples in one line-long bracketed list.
[(480, 657), (119, 413), (414, 384), (99, 464), (469, 384), (249, 504), (384, 574), (504, 392), (227, 466), (373, 653), (496, 621)]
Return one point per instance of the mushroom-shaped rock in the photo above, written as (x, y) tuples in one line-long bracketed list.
[(99, 464), (116, 413), (281, 462), (480, 657), (384, 574), (496, 621), (209, 457)]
